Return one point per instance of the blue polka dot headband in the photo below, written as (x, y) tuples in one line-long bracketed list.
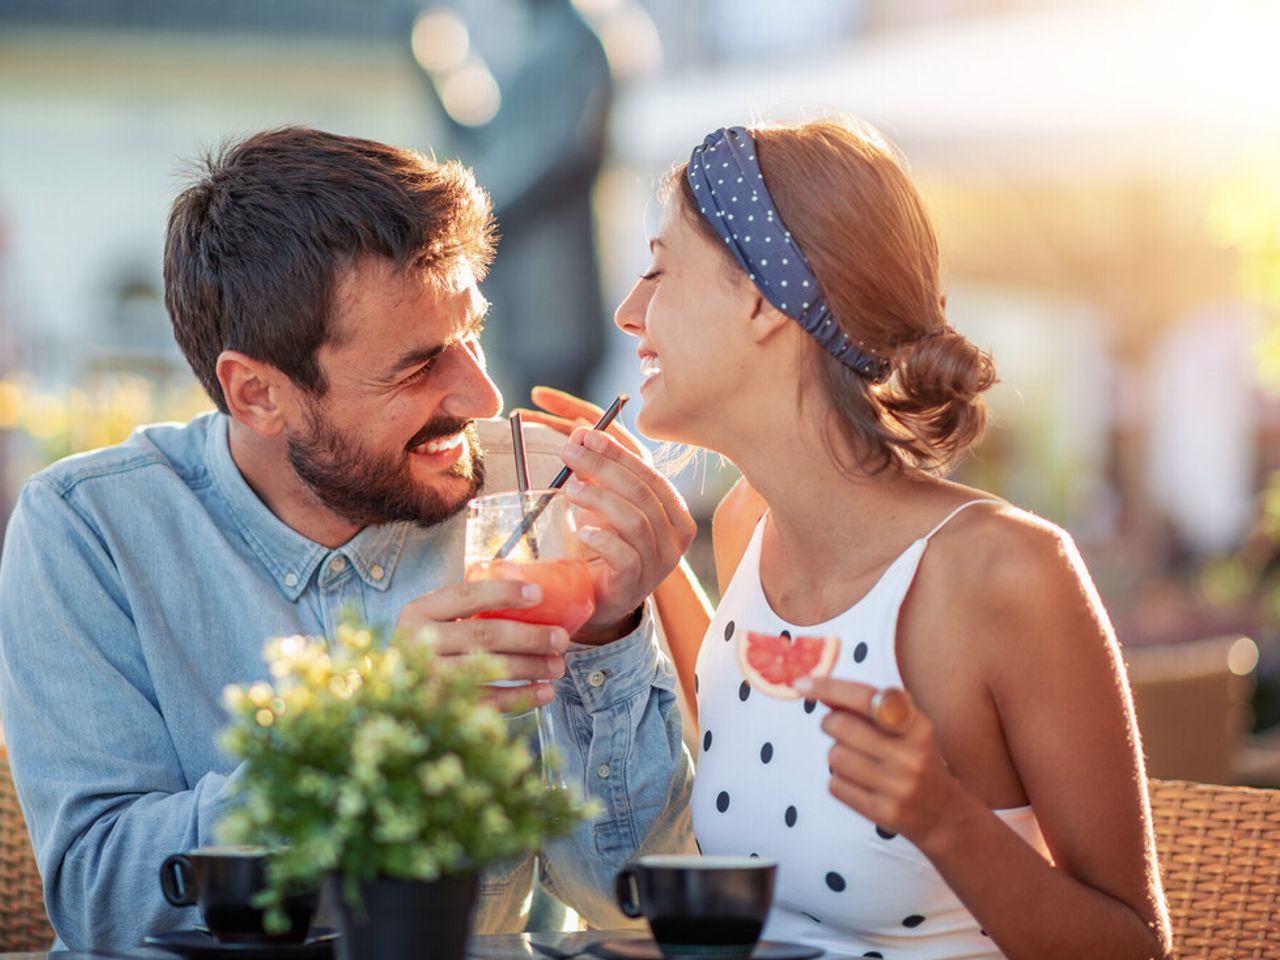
[(732, 197)]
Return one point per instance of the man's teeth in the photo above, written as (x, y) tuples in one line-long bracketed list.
[(441, 445), (650, 366)]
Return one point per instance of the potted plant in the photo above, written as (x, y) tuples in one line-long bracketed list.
[(378, 767)]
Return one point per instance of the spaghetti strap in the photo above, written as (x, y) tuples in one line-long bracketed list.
[(947, 519)]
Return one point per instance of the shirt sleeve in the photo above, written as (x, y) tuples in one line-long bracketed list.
[(100, 783), (618, 711)]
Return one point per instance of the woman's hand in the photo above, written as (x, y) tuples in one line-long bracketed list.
[(563, 412), (891, 773)]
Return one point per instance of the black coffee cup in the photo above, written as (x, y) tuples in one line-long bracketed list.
[(699, 906), (223, 882)]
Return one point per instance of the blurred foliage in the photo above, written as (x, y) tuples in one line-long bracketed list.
[(99, 414), (1244, 215)]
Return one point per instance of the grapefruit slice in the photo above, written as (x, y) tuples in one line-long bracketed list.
[(772, 663)]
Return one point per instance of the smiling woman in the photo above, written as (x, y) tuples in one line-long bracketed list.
[(793, 321)]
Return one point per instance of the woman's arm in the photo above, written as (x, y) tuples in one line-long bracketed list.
[(1026, 607)]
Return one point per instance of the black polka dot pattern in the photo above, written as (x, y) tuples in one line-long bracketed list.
[(766, 753), (755, 855), (722, 801), (790, 816), (697, 684), (835, 882), (874, 953), (706, 741), (884, 834), (860, 652), (744, 691), (811, 917), (913, 921), (728, 631), (809, 705)]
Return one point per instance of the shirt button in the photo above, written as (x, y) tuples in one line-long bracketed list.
[(291, 579), (376, 572), (603, 771), (338, 563), (595, 678)]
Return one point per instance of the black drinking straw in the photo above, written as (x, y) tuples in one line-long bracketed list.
[(531, 517)]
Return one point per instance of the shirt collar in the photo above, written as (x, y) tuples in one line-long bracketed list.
[(290, 557)]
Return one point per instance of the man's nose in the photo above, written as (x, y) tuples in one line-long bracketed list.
[(473, 395)]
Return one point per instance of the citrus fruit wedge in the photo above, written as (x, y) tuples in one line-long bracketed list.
[(772, 662)]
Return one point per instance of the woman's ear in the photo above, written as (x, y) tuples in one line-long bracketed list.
[(765, 320)]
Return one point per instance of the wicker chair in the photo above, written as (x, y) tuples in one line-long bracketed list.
[(23, 922), (1219, 851)]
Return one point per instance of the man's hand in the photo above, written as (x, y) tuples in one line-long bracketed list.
[(634, 523), (528, 651)]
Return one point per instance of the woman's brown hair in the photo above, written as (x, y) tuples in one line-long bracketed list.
[(848, 202)]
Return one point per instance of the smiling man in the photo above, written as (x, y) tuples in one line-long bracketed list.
[(324, 291)]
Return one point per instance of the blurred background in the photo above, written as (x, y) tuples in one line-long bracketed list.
[(1103, 175)]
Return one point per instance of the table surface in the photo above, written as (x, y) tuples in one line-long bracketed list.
[(512, 946)]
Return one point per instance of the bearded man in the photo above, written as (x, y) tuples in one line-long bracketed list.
[(324, 291)]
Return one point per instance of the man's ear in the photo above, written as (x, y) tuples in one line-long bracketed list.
[(258, 395)]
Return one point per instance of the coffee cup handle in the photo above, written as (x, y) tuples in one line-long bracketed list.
[(175, 880), (627, 891)]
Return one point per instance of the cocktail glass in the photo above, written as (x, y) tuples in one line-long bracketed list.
[(550, 555)]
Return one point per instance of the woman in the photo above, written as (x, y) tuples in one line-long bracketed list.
[(792, 321)]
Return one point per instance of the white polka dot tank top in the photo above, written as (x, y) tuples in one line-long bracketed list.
[(761, 787)]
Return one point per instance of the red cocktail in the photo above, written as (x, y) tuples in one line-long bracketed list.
[(568, 596)]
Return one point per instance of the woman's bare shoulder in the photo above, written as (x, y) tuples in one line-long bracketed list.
[(1013, 567)]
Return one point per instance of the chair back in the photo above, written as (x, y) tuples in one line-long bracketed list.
[(1219, 851), (1192, 705), (24, 925)]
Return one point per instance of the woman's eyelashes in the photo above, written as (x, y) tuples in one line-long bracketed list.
[(653, 274)]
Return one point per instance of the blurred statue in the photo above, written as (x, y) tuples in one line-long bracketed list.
[(538, 152)]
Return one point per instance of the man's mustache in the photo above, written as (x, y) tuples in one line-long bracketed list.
[(437, 428)]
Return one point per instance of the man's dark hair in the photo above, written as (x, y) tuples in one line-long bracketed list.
[(256, 245)]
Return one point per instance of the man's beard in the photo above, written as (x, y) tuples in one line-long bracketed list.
[(365, 487)]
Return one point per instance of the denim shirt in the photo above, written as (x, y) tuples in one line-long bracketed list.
[(138, 581)]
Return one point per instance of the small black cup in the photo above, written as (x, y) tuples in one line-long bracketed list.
[(699, 906), (222, 882)]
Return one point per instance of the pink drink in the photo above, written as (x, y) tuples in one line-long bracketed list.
[(568, 595)]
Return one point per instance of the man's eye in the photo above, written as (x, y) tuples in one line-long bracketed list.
[(421, 372)]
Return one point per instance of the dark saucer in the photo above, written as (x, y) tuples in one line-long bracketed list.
[(203, 945), (647, 949)]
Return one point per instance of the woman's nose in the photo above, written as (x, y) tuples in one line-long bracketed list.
[(629, 317)]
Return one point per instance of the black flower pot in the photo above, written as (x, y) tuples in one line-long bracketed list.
[(409, 919)]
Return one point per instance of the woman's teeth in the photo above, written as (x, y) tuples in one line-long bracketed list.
[(650, 367), (439, 446)]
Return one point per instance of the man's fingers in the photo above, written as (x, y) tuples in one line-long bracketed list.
[(517, 699), (466, 599), (509, 637)]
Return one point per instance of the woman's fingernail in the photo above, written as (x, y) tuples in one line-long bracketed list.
[(531, 592), (572, 452), (588, 534), (545, 693), (574, 486), (804, 685), (595, 440), (559, 638)]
